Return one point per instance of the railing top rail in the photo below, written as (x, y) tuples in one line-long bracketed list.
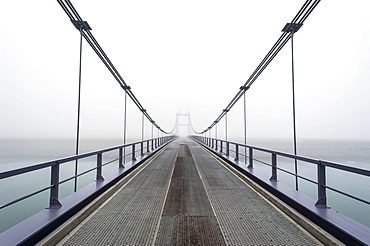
[(42, 165), (330, 164)]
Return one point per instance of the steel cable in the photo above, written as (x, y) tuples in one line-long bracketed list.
[(88, 36), (300, 17)]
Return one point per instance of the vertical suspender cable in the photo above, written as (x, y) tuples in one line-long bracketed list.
[(216, 131), (124, 128), (78, 111), (142, 127), (245, 128), (152, 131), (294, 124), (226, 126)]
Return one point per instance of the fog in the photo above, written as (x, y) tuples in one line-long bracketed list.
[(189, 56)]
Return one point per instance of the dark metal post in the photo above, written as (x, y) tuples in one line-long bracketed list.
[(99, 169), (250, 158), (227, 148), (133, 153), (321, 183), (142, 148), (273, 168), (236, 152), (120, 161), (54, 191)]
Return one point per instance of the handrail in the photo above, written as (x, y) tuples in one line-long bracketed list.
[(151, 145), (219, 145)]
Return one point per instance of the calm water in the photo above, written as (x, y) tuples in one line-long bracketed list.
[(16, 153)]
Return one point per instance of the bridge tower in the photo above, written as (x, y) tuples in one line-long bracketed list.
[(183, 125)]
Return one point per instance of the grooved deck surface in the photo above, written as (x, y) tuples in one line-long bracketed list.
[(186, 197), (131, 216), (187, 217), (244, 216)]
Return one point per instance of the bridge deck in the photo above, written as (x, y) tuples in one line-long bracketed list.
[(186, 197)]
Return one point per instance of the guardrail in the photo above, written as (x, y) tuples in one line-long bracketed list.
[(225, 148), (133, 150)]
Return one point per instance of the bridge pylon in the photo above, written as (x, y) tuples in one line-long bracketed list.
[(183, 125)]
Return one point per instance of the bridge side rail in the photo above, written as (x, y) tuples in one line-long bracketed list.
[(224, 147), (128, 152), (340, 226)]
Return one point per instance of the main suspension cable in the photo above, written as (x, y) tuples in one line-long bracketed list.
[(300, 17), (89, 37)]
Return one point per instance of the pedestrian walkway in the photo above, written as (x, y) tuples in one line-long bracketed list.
[(186, 197)]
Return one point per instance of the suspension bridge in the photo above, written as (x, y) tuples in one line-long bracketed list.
[(193, 190)]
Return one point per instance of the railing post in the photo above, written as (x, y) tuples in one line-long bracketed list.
[(152, 144), (273, 169), (133, 153), (250, 158), (221, 146), (321, 183), (142, 148), (216, 145), (99, 162), (54, 191), (147, 146), (236, 152), (120, 156), (227, 148)]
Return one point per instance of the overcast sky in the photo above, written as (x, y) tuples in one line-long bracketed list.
[(185, 56)]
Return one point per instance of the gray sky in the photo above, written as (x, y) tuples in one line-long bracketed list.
[(189, 56)]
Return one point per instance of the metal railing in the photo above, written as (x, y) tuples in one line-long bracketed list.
[(227, 147), (134, 150)]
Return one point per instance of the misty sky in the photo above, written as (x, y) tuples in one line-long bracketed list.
[(185, 56)]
